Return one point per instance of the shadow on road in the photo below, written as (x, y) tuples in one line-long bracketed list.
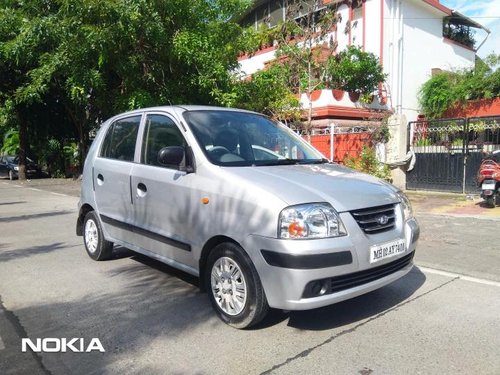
[(30, 251), (11, 203), (11, 219)]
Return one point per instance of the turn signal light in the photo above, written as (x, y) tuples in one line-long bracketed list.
[(296, 230)]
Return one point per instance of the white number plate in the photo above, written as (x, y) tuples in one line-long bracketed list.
[(490, 186), (386, 250)]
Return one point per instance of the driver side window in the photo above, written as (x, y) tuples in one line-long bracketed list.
[(160, 131)]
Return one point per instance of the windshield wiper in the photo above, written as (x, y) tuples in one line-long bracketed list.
[(314, 161), (291, 162), (277, 162)]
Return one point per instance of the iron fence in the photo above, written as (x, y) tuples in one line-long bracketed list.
[(449, 151)]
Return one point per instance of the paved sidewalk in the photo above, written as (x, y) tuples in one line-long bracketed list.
[(451, 204), (67, 186)]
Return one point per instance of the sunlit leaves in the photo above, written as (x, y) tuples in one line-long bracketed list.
[(448, 89)]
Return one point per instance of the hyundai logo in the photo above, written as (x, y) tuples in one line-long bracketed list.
[(382, 219)]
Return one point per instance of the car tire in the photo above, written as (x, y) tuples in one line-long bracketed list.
[(98, 248), (234, 286)]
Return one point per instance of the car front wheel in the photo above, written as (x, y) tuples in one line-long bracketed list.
[(95, 244), (235, 289)]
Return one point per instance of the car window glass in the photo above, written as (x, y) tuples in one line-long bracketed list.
[(121, 138), (245, 139), (160, 131)]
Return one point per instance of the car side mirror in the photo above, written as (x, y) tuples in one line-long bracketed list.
[(171, 156)]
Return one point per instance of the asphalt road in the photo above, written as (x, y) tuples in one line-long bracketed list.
[(442, 318)]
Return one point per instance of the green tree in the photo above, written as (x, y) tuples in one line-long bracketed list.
[(98, 57), (303, 46), (308, 59), (354, 70), (267, 92)]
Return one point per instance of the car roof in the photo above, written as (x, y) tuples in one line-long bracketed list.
[(183, 108)]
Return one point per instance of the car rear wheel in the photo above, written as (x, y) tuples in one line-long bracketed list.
[(490, 201), (95, 244), (235, 289)]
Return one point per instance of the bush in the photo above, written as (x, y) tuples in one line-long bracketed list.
[(367, 163)]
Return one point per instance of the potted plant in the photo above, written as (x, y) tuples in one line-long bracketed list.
[(355, 71)]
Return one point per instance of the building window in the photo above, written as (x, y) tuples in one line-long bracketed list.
[(459, 30)]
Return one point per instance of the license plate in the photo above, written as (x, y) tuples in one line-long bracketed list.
[(386, 250), (488, 186)]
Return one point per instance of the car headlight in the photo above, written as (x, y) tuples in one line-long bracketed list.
[(312, 220), (16, 168), (406, 205)]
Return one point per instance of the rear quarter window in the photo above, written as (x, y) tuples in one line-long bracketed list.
[(120, 140)]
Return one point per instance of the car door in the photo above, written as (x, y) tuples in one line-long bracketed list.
[(161, 194), (111, 175)]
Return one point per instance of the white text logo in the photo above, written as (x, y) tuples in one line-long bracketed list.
[(56, 345)]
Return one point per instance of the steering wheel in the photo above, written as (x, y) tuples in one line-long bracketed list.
[(219, 151)]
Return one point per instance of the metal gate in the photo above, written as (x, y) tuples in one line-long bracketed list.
[(449, 151)]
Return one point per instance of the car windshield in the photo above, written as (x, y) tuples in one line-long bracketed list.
[(231, 138)]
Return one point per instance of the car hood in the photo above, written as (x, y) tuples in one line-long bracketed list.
[(344, 188)]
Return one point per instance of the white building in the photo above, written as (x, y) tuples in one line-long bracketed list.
[(410, 37)]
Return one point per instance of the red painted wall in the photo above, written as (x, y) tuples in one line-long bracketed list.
[(475, 108), (345, 145)]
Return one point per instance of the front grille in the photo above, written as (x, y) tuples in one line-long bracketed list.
[(343, 282), (375, 219)]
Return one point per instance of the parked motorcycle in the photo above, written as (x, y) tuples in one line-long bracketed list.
[(488, 178)]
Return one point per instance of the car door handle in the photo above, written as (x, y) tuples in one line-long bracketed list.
[(141, 190), (100, 179)]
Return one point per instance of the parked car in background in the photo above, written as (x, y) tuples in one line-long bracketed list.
[(9, 167)]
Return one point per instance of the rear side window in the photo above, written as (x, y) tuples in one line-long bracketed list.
[(120, 140), (160, 131)]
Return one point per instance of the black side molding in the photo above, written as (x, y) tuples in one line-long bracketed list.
[(307, 262), (146, 233)]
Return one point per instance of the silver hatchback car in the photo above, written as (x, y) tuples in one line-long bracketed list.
[(245, 204)]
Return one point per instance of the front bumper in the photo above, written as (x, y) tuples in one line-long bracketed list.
[(288, 268)]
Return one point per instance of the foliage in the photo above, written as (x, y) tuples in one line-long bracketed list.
[(423, 142), (71, 153), (367, 163), (10, 143), (308, 56), (354, 70), (436, 95), (267, 92), (91, 59), (448, 89), (302, 45), (382, 133)]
